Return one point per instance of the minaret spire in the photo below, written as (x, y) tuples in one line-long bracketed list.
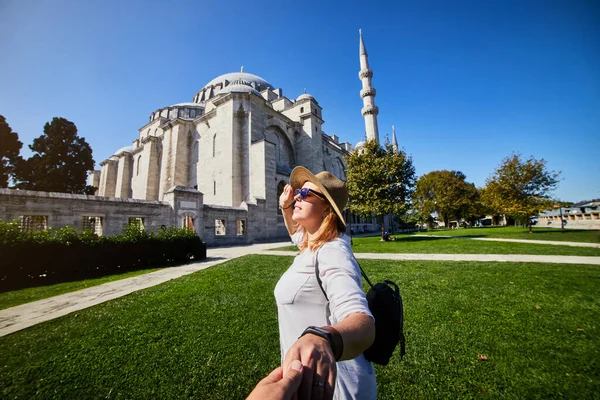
[(394, 141), (369, 110)]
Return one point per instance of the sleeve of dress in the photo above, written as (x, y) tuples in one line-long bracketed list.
[(297, 236), (341, 279)]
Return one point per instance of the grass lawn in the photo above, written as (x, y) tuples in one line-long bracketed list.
[(22, 296), (515, 232), (213, 335), (458, 245)]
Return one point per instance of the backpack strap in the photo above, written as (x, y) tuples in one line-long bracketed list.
[(317, 273), (316, 262)]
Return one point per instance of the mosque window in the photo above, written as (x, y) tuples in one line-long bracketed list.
[(192, 113), (215, 188), (220, 227), (187, 222), (214, 145), (301, 109), (137, 168), (93, 224), (137, 222), (32, 223), (241, 227)]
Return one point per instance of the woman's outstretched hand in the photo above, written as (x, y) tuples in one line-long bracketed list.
[(319, 368), (287, 197)]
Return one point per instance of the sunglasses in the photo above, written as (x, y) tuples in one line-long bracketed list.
[(304, 192)]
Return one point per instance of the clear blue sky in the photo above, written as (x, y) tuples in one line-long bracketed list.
[(465, 82)]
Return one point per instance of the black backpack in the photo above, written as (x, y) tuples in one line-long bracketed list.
[(385, 304)]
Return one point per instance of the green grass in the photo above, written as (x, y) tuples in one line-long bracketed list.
[(515, 232), (458, 245), (22, 296), (213, 335)]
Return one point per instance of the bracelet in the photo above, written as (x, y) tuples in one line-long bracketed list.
[(284, 208)]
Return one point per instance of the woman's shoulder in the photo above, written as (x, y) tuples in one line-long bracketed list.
[(339, 244)]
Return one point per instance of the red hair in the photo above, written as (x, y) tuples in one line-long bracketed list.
[(330, 228)]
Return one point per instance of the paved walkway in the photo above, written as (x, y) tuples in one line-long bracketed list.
[(26, 315)]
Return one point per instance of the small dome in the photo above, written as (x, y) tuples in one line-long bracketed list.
[(188, 105), (305, 96), (239, 88), (359, 145), (126, 149)]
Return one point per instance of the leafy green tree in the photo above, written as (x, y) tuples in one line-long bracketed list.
[(380, 181), (60, 162), (10, 146), (520, 188), (447, 193)]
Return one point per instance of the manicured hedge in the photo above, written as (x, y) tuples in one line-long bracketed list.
[(58, 255)]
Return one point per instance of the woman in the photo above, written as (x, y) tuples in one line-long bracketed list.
[(326, 329)]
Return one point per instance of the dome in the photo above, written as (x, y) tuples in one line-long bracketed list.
[(126, 149), (305, 96), (359, 145), (248, 79)]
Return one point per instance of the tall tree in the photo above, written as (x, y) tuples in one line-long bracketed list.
[(10, 146), (447, 193), (380, 180), (60, 162), (520, 187)]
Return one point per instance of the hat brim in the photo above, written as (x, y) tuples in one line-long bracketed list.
[(301, 175)]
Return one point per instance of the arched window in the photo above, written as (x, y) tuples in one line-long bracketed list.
[(280, 188), (284, 153), (139, 161), (214, 145)]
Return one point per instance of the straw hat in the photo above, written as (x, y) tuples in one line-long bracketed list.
[(331, 186)]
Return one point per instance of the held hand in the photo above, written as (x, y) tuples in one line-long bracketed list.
[(277, 387), (287, 197), (319, 368)]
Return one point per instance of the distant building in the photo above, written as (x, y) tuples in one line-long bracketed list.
[(584, 215)]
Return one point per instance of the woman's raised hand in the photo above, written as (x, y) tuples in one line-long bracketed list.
[(287, 197)]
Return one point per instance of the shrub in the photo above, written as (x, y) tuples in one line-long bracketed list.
[(65, 254)]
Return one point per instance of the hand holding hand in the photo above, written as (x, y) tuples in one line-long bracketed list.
[(277, 387), (319, 368), (287, 196)]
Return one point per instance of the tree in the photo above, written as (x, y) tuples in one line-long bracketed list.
[(60, 162), (10, 146), (447, 193), (380, 181), (520, 188)]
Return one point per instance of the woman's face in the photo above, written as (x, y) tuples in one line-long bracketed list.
[(311, 211)]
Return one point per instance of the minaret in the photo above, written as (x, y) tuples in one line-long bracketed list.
[(369, 110), (394, 141)]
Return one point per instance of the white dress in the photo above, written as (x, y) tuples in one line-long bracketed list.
[(301, 303)]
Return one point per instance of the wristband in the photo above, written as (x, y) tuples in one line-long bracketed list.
[(284, 208), (332, 336)]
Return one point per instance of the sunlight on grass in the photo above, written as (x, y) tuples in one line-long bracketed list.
[(213, 334)]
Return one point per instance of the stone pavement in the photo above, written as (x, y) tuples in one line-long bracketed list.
[(26, 315)]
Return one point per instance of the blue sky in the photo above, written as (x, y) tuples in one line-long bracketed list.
[(464, 82)]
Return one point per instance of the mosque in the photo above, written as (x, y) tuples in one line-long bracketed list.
[(217, 164)]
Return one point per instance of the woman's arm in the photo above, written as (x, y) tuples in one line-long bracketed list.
[(286, 200)]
